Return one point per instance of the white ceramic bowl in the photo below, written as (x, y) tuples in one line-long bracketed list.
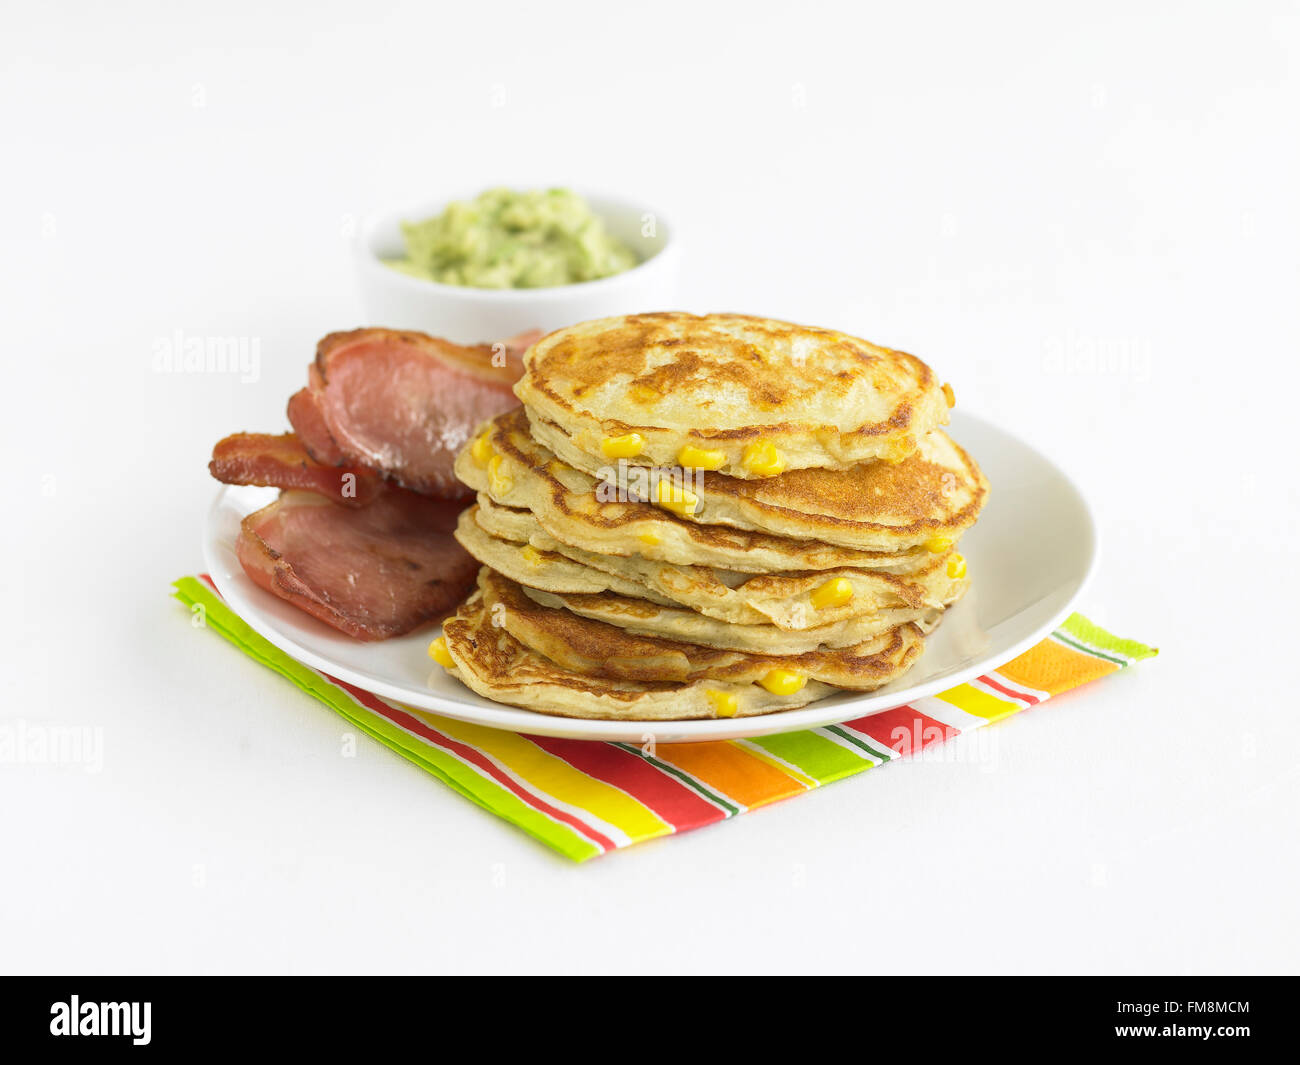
[(471, 315)]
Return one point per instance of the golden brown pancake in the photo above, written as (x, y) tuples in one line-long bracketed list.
[(884, 508), (723, 382), (567, 504), (548, 570), (498, 667), (512, 543), (593, 648), (644, 618)]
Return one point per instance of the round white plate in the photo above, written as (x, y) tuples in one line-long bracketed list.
[(1030, 556)]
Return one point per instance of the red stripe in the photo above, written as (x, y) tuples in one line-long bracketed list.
[(474, 757), (1020, 697), (904, 729), (671, 800)]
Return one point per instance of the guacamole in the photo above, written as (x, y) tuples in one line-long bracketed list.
[(508, 239)]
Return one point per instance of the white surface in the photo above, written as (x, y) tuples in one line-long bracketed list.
[(473, 315), (1088, 224), (1030, 558)]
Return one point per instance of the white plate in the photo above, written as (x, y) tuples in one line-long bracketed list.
[(1030, 556)]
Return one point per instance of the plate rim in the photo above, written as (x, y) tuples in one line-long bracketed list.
[(517, 719)]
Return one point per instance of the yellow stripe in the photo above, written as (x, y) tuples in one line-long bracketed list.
[(776, 763), (556, 778), (977, 702)]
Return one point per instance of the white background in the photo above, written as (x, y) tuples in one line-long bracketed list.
[(1089, 223)]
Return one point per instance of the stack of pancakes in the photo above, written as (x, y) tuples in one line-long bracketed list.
[(708, 516)]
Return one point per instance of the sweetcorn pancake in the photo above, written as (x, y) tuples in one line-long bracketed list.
[(644, 618), (708, 517), (542, 568), (512, 543), (596, 649), (744, 396), (505, 463), (511, 523), (935, 494), (491, 662)]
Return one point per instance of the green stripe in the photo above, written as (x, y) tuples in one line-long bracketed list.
[(1095, 636), (822, 759), (441, 764), (685, 778), (1084, 649), (857, 742)]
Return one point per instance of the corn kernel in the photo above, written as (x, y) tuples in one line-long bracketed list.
[(697, 458), (439, 653), (531, 555), (648, 538), (499, 481), (725, 704), (783, 681), (957, 567), (643, 393), (622, 447), (482, 448), (681, 501), (762, 457), (936, 545), (948, 395), (900, 450), (835, 592)]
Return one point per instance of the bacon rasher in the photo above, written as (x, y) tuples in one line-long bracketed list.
[(361, 536), (372, 572), (403, 403)]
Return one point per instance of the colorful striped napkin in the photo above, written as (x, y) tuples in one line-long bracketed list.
[(584, 798)]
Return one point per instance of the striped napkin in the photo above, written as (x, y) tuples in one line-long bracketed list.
[(587, 797)]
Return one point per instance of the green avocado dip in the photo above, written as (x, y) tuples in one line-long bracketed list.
[(508, 239)]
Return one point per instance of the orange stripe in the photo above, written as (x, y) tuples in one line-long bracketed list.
[(731, 770), (1052, 667)]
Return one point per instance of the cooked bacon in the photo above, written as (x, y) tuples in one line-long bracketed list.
[(371, 572), (309, 423), (404, 403), (283, 462), (378, 404)]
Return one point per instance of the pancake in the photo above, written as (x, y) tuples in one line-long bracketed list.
[(547, 570), (569, 505), (497, 666), (515, 544), (937, 492), (724, 383), (593, 648), (512, 523), (644, 618)]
